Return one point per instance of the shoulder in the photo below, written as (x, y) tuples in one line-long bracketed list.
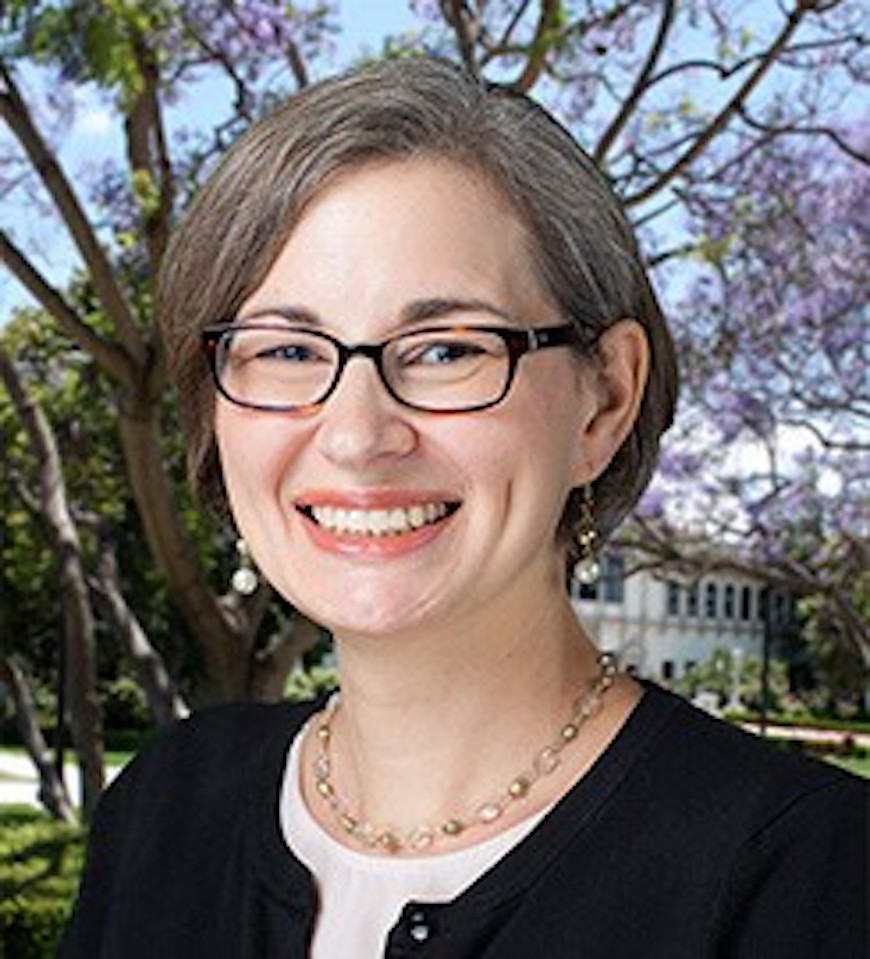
[(725, 773), (229, 726), (771, 846), (173, 832), (212, 756)]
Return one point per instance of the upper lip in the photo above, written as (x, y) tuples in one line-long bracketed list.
[(381, 498)]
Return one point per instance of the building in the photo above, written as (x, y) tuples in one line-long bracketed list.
[(662, 626)]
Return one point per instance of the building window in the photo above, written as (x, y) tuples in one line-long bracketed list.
[(667, 669), (746, 603), (673, 598), (613, 579), (692, 600), (728, 602), (711, 600)]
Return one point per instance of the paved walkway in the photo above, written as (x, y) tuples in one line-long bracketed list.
[(18, 781), (812, 735)]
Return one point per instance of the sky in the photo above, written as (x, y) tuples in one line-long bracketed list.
[(366, 21), (95, 129)]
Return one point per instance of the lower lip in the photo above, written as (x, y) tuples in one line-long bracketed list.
[(373, 547)]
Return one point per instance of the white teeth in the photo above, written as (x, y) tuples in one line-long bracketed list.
[(378, 522)]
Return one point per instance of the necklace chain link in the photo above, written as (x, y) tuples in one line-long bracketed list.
[(544, 763)]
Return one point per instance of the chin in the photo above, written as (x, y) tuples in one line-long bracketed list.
[(367, 612)]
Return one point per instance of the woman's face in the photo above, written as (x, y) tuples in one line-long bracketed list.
[(489, 486)]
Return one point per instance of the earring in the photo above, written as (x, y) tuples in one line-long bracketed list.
[(244, 579), (587, 568)]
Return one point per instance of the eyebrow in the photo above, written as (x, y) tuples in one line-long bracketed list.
[(436, 308), (417, 311), (293, 314)]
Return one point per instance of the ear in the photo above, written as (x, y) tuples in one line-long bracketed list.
[(620, 370)]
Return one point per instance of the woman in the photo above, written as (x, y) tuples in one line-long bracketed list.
[(436, 375)]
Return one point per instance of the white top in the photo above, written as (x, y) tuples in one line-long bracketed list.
[(362, 895)]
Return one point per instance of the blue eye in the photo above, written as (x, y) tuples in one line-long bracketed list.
[(442, 353), (290, 353)]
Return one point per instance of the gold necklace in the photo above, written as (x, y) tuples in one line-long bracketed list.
[(545, 762)]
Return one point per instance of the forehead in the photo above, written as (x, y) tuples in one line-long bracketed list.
[(389, 232)]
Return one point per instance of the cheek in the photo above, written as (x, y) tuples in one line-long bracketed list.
[(527, 449), (253, 452), (556, 409)]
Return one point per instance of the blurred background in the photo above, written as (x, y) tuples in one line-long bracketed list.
[(736, 135)]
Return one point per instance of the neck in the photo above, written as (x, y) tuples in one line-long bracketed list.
[(434, 724)]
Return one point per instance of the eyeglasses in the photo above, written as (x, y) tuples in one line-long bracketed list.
[(272, 366)]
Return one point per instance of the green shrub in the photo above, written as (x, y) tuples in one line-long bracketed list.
[(124, 705), (304, 685), (40, 863)]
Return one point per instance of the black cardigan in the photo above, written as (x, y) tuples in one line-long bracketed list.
[(687, 839)]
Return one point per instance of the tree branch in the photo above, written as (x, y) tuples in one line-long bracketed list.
[(297, 65), (503, 44), (163, 697), (242, 99), (727, 72), (683, 249), (547, 23), (271, 666), (466, 27), (52, 791), (109, 355), (15, 112), (148, 157), (85, 711), (774, 130), (28, 500), (632, 100), (721, 120)]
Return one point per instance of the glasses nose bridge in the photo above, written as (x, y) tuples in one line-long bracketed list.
[(369, 351)]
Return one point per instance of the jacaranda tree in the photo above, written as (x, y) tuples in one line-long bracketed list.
[(733, 132)]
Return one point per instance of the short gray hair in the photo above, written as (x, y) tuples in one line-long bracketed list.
[(584, 249)]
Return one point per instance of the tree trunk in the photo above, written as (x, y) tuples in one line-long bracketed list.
[(164, 700), (226, 642), (84, 707), (270, 670), (85, 710), (134, 363), (52, 791)]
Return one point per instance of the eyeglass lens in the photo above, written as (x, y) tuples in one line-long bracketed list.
[(444, 369)]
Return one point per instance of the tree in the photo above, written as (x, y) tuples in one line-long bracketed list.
[(703, 117), (782, 376), (52, 790), (120, 49), (75, 601), (50, 502)]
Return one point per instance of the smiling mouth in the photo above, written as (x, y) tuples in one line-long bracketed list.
[(396, 521)]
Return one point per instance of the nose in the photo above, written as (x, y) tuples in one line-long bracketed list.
[(362, 425)]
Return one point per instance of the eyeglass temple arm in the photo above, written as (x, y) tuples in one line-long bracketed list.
[(557, 335)]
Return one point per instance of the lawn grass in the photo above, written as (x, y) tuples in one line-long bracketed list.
[(860, 765)]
